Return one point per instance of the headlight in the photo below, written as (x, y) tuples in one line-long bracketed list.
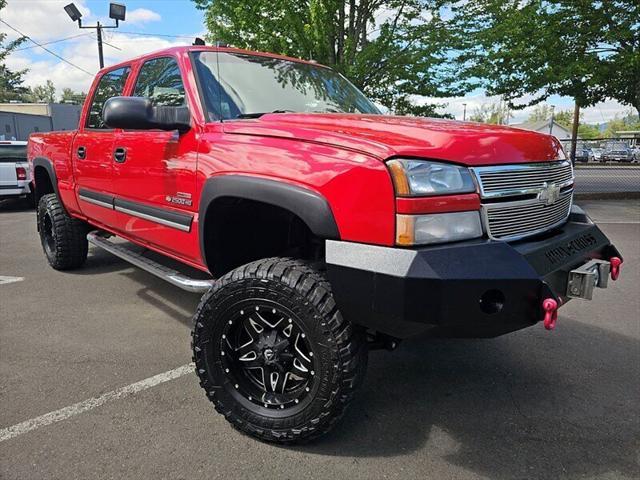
[(413, 178), (437, 228)]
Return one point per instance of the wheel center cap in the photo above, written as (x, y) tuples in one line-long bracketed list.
[(269, 354)]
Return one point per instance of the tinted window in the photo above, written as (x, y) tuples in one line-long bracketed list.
[(237, 85), (160, 81), (111, 85), (13, 153)]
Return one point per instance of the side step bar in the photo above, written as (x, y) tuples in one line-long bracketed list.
[(172, 276)]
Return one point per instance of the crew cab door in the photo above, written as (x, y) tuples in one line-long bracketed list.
[(155, 170), (92, 150)]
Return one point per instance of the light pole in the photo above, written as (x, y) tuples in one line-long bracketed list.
[(464, 112), (117, 12), (553, 107)]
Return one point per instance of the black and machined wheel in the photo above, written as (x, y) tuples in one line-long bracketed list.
[(64, 239), (273, 352)]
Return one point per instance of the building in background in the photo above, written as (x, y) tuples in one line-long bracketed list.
[(19, 120), (544, 126), (632, 137)]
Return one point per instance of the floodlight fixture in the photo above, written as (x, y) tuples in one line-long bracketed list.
[(73, 12), (117, 11)]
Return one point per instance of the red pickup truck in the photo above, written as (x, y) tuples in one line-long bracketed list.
[(321, 228)]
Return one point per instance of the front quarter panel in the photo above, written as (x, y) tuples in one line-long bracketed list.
[(357, 187)]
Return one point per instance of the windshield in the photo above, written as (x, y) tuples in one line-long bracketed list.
[(252, 85), (13, 153)]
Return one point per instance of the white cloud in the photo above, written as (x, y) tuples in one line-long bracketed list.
[(83, 52), (43, 21), (142, 15), (47, 21)]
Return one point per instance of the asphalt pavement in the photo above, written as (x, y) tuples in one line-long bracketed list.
[(107, 349)]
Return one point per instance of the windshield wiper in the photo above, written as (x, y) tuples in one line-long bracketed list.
[(259, 114)]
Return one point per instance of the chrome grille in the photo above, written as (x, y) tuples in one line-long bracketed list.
[(523, 200), (522, 179), (516, 219)]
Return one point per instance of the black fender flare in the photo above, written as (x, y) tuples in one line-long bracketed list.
[(48, 166), (308, 205)]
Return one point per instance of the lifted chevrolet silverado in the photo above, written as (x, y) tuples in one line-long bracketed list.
[(321, 227)]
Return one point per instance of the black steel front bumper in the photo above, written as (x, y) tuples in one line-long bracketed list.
[(478, 288)]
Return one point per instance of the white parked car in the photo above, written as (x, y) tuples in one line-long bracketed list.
[(14, 170)]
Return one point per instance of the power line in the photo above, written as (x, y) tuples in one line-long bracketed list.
[(47, 50), (107, 43), (52, 42)]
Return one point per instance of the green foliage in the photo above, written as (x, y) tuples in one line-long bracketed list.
[(42, 93), (404, 106), (540, 112), (393, 50), (564, 118), (588, 132), (495, 113), (10, 82), (71, 97), (629, 122), (583, 49)]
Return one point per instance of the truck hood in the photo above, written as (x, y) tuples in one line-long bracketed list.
[(385, 136)]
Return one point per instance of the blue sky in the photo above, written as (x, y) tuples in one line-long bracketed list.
[(147, 28)]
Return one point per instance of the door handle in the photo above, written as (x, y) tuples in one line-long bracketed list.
[(120, 155), (82, 153)]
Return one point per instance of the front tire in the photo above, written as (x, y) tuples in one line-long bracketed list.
[(273, 352), (63, 238)]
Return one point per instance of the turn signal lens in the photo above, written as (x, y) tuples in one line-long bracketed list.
[(400, 181), (437, 228)]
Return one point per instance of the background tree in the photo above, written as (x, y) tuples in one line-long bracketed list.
[(564, 118), (43, 93), (583, 49), (626, 122), (71, 97), (587, 50), (11, 87), (393, 50), (495, 113), (540, 112)]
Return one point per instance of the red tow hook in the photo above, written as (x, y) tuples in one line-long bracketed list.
[(616, 264), (550, 307)]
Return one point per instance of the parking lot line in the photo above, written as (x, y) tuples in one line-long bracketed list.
[(91, 403), (5, 280)]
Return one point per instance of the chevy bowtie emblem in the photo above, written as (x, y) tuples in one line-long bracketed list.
[(550, 193)]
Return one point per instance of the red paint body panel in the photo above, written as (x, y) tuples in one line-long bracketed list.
[(339, 156), (439, 204), (471, 144)]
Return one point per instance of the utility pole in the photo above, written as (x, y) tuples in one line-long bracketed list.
[(117, 12), (464, 112), (553, 107), (574, 131), (99, 36)]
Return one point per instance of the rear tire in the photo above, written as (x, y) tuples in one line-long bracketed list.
[(63, 238), (273, 352)]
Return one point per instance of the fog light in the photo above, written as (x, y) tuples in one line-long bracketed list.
[(492, 301)]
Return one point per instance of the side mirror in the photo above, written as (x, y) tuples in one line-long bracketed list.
[(138, 113)]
